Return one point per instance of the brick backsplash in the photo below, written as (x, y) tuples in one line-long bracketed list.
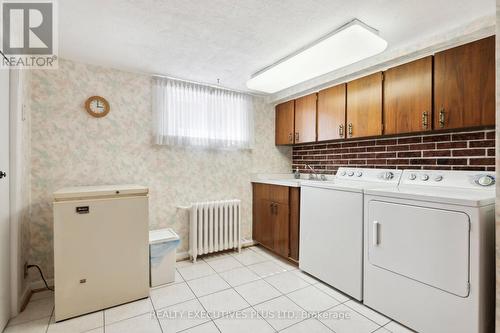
[(464, 150)]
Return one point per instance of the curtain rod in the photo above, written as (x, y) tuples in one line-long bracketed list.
[(208, 85)]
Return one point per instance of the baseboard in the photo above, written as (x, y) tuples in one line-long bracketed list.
[(180, 256), (248, 243), (40, 285), (24, 298)]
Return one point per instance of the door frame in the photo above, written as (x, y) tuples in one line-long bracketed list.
[(6, 306), (16, 115)]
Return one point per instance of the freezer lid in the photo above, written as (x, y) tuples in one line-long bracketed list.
[(89, 192), (162, 236)]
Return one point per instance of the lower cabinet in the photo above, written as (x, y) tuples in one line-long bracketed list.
[(262, 222), (276, 218)]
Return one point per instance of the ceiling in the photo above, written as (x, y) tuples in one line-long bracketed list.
[(231, 40)]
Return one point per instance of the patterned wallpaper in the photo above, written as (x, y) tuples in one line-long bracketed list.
[(459, 150), (69, 147)]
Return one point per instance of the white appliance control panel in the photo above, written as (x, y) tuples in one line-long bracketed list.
[(369, 175), (445, 178)]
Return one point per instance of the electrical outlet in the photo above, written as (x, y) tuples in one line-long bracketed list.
[(25, 269)]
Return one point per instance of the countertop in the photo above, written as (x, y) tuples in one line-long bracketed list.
[(283, 179)]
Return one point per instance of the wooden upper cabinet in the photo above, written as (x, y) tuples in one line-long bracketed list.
[(285, 115), (331, 113), (408, 97), (305, 119), (464, 85), (364, 106)]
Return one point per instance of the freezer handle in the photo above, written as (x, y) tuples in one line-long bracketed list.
[(375, 232)]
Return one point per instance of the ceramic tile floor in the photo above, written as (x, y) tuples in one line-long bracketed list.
[(252, 291)]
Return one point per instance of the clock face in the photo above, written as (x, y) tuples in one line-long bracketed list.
[(97, 106)]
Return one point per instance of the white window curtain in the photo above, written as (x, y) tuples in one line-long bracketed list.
[(190, 114)]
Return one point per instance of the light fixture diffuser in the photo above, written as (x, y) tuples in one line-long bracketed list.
[(351, 43)]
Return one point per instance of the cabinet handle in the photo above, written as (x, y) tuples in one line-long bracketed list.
[(425, 120), (341, 131), (441, 118), (297, 136), (375, 231), (349, 130), (290, 137), (274, 208)]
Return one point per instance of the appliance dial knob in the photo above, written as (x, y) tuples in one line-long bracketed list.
[(387, 175), (412, 176), (485, 180), (342, 173), (438, 178), (424, 177), (350, 173), (359, 174)]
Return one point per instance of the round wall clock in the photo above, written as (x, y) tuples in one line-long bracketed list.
[(97, 106)]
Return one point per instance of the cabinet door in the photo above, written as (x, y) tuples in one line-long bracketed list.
[(256, 220), (281, 229), (285, 123), (263, 222), (294, 222), (408, 97), (305, 119), (259, 193), (279, 194), (364, 106), (464, 85), (331, 113)]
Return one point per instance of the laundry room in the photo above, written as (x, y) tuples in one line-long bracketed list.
[(299, 166)]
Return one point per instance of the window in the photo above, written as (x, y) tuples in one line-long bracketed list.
[(196, 115)]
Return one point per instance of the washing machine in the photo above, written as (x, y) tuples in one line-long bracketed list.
[(331, 226), (430, 251)]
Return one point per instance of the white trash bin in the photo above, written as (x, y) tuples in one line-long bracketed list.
[(162, 248)]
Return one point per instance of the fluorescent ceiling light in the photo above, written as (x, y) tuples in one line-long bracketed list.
[(351, 43)]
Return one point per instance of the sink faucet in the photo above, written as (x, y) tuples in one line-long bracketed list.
[(315, 175)]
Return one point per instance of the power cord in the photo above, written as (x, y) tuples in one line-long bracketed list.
[(41, 274)]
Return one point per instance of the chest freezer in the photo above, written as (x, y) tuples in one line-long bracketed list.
[(101, 248)]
